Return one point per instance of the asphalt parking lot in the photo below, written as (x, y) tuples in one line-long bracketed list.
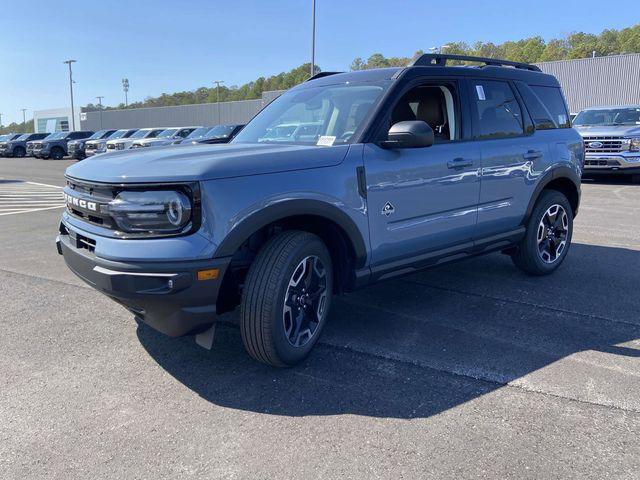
[(469, 370)]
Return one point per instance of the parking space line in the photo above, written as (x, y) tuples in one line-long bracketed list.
[(25, 197)]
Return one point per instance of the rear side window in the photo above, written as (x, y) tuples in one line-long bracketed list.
[(496, 109), (542, 118), (551, 98)]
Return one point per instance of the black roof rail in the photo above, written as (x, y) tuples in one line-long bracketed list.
[(440, 60), (322, 74)]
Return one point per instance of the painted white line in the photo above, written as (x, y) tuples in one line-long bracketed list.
[(44, 185), (32, 210)]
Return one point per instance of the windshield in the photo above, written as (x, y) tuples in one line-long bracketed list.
[(57, 135), (327, 115), (118, 134), (220, 131), (140, 134), (609, 117), (98, 134), (167, 133), (198, 132)]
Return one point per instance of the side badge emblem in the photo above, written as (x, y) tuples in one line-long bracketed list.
[(388, 209)]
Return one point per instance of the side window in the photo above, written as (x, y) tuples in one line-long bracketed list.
[(434, 104), (496, 108), (551, 98), (184, 133), (542, 118)]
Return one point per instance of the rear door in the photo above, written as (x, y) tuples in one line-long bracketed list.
[(512, 155)]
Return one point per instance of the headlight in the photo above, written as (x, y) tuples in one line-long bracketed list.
[(152, 211), (634, 145)]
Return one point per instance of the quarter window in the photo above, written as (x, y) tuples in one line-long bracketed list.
[(497, 110), (551, 98)]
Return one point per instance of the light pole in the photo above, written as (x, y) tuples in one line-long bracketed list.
[(313, 38), (125, 87), (73, 117), (24, 118), (218, 82), (100, 106)]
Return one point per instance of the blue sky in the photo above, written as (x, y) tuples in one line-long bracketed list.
[(168, 46)]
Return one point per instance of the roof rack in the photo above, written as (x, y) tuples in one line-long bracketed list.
[(440, 60), (322, 74)]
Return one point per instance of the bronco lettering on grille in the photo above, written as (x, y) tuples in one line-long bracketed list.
[(78, 202)]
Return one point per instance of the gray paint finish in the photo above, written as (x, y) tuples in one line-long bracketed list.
[(591, 82)]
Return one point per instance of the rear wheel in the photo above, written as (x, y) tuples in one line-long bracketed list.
[(57, 153), (19, 152), (286, 298), (548, 235)]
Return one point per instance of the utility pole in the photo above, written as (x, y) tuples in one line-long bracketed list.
[(100, 106), (218, 82), (313, 38), (73, 116), (125, 87), (24, 118)]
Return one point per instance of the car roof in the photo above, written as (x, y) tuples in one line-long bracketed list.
[(529, 75)]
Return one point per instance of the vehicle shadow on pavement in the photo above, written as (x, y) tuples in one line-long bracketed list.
[(421, 345)]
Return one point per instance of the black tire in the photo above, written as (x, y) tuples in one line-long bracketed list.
[(264, 313), (19, 152), (57, 153), (531, 255)]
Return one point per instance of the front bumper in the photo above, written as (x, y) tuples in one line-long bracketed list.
[(5, 152), (612, 164), (165, 295), (75, 152), (43, 153)]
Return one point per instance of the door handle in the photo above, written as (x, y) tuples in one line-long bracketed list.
[(532, 154), (459, 163)]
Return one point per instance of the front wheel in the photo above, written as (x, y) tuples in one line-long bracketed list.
[(548, 235), (286, 298), (57, 153)]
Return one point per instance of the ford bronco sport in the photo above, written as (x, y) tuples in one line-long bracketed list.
[(409, 167)]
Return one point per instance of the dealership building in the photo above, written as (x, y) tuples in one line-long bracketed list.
[(587, 82)]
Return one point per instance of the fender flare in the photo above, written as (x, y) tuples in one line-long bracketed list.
[(553, 174), (289, 208)]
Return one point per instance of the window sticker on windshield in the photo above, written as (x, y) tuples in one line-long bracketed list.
[(480, 92), (326, 140)]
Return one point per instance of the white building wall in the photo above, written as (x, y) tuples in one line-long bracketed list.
[(55, 120)]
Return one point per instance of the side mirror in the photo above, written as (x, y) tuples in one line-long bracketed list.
[(409, 134)]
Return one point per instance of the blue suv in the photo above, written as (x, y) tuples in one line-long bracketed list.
[(384, 172)]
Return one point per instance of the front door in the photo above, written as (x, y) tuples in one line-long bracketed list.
[(423, 200)]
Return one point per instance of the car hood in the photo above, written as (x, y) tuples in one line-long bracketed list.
[(204, 162), (608, 131), (150, 142)]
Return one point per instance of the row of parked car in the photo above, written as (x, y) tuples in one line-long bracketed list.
[(83, 144)]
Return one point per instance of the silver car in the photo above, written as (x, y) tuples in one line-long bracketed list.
[(126, 143), (93, 147), (170, 136)]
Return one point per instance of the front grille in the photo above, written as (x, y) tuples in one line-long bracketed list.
[(110, 146), (601, 163), (91, 146), (606, 144), (98, 194)]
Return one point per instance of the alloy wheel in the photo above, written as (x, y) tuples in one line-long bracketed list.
[(305, 301), (552, 233)]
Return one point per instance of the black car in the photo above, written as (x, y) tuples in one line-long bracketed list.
[(55, 146), (76, 148), (18, 146)]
